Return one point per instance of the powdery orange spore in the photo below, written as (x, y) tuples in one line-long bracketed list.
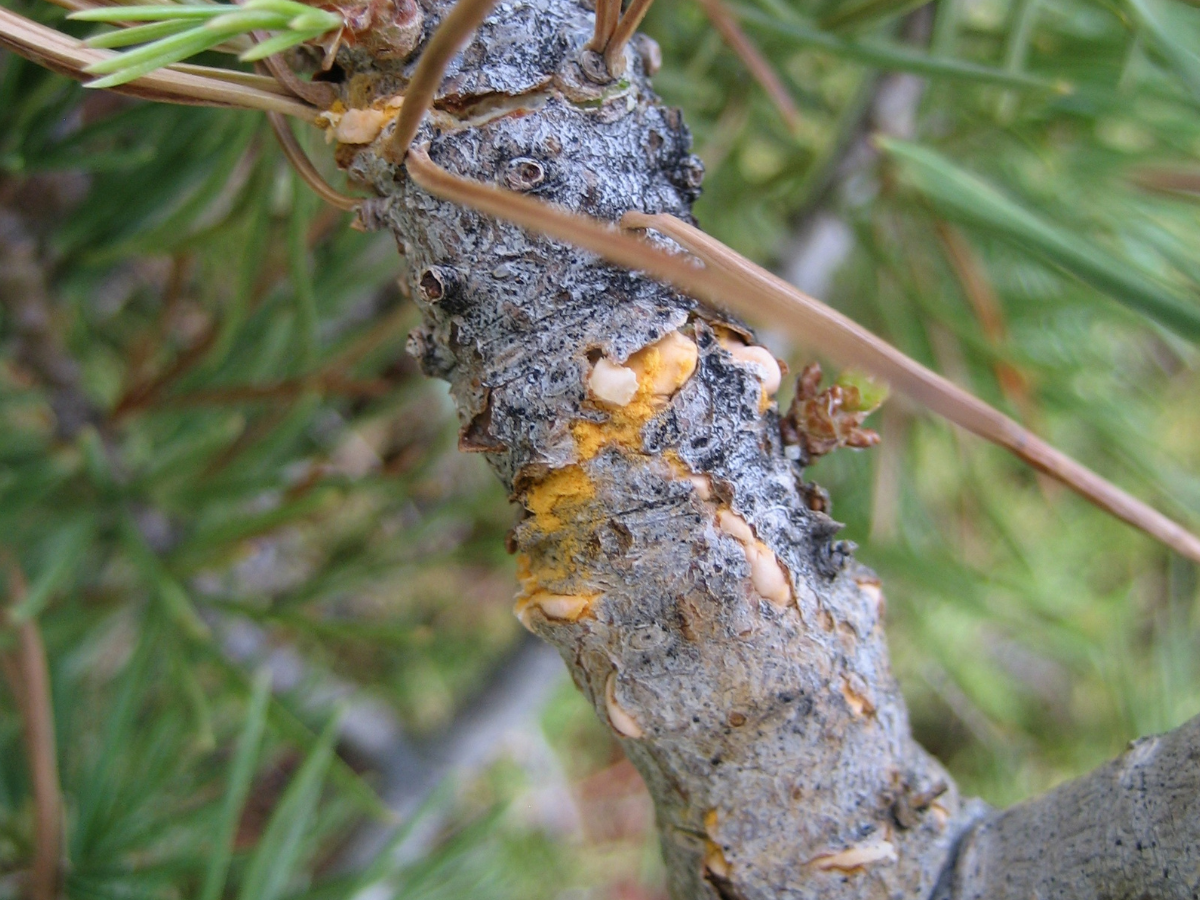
[(563, 504), (661, 368), (563, 509), (560, 497)]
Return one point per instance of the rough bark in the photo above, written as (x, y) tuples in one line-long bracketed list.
[(670, 552)]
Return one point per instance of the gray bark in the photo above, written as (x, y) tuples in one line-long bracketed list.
[(1129, 829), (756, 701)]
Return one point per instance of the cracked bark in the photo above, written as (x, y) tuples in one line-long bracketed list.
[(670, 553)]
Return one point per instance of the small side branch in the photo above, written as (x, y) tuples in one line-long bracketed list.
[(28, 677)]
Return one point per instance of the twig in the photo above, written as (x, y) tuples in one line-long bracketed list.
[(193, 86), (614, 51), (608, 13), (734, 283), (28, 676), (304, 167), (753, 60), (460, 23)]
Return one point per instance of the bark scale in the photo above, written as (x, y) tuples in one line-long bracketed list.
[(670, 552)]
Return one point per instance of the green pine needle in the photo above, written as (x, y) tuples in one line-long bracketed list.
[(174, 33), (138, 34), (117, 14)]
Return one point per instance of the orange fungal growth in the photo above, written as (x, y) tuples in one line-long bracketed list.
[(562, 508), (559, 498), (660, 369), (663, 367), (525, 577)]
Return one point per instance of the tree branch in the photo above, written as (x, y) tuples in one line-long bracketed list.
[(723, 283), (1129, 829), (669, 553)]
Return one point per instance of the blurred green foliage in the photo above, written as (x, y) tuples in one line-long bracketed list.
[(207, 417)]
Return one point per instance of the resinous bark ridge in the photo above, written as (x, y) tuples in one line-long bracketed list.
[(755, 700)]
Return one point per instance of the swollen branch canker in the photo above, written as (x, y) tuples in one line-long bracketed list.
[(670, 552)]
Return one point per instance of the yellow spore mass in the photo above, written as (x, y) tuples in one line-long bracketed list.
[(559, 498), (562, 504), (661, 368)]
